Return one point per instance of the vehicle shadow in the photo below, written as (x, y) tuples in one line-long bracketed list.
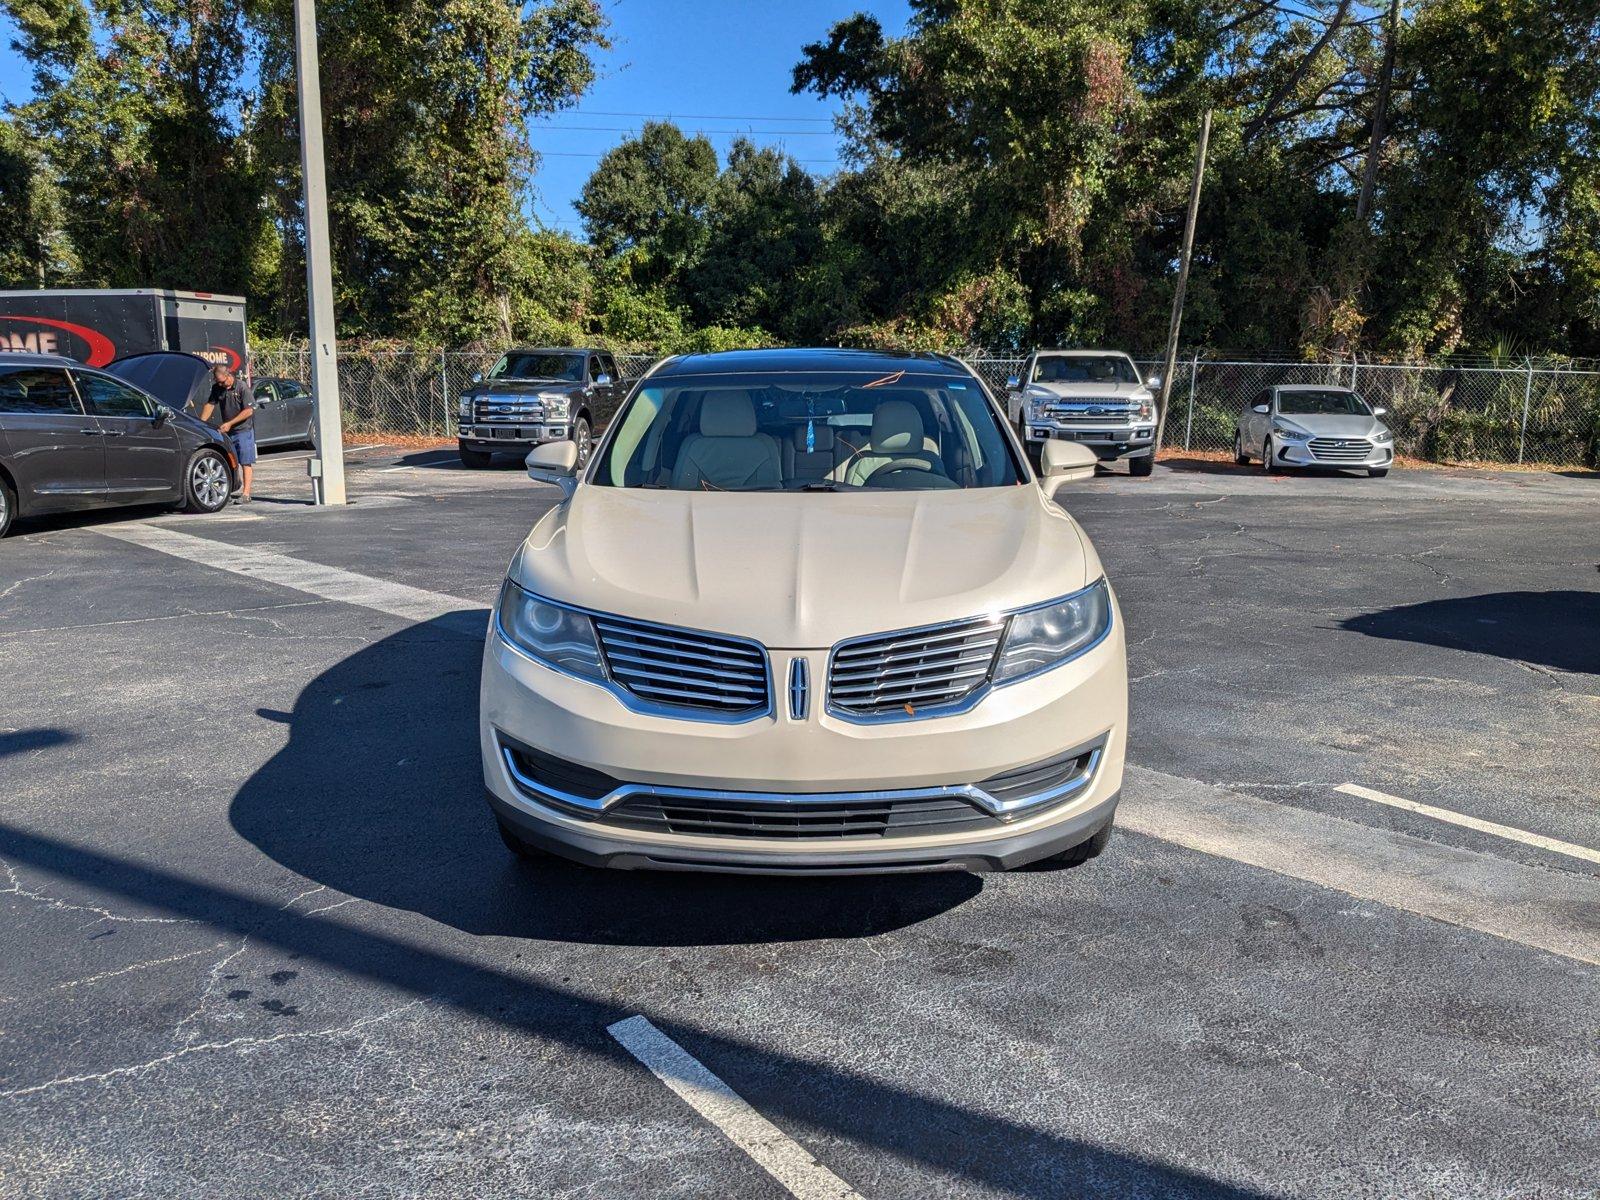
[(1559, 629), (446, 459), (21, 741), (379, 794)]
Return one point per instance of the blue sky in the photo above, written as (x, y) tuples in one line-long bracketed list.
[(717, 66)]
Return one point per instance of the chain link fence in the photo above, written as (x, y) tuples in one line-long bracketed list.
[(1441, 413)]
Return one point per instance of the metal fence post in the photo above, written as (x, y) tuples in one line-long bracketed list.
[(1188, 428), (444, 390), (1352, 370), (1527, 397)]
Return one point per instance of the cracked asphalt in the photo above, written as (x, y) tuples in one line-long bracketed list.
[(258, 936)]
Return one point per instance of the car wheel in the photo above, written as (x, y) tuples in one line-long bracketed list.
[(1239, 455), (206, 483), (526, 851), (583, 439), (475, 459), (1141, 467), (1267, 465), (1377, 472), (8, 506)]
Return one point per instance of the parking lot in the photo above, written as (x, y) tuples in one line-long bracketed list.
[(258, 935)]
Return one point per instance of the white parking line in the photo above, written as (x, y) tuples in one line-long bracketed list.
[(1508, 832), (785, 1159)]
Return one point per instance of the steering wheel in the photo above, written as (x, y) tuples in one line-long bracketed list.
[(895, 466)]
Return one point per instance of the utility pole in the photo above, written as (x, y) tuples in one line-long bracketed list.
[(327, 465), (1183, 276)]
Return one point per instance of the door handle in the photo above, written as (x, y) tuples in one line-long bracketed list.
[(92, 432), (112, 432)]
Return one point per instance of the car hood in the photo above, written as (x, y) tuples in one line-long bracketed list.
[(1092, 391), (1345, 426), (521, 387), (802, 571)]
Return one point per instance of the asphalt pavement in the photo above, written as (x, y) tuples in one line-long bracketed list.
[(258, 936)]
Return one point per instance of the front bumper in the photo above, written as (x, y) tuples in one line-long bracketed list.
[(1299, 454), (814, 758), (1108, 442), (507, 437)]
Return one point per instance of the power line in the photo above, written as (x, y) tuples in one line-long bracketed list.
[(602, 154), (595, 112), (701, 132)]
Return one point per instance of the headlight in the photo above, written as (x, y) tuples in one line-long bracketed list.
[(1292, 435), (464, 409), (1054, 633), (1383, 437), (556, 406), (550, 633), (1147, 411)]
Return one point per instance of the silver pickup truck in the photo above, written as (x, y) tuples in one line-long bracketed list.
[(1093, 397)]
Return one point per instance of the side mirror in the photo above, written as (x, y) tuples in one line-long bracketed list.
[(1378, 412), (1064, 462), (477, 377), (161, 415), (602, 380), (1263, 409), (1013, 383), (557, 463), (1153, 382)]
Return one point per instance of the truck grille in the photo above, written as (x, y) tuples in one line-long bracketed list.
[(755, 818), (1340, 449), (905, 672), (1093, 412), (684, 669), (507, 408)]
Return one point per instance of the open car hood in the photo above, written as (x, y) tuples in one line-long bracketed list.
[(180, 381)]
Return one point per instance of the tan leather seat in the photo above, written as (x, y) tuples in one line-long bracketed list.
[(897, 436), (728, 452), (815, 464)]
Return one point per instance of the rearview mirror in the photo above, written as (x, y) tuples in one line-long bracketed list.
[(1378, 412), (1064, 462), (1012, 383), (1263, 409), (557, 463)]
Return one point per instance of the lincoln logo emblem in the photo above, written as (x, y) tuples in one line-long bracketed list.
[(799, 688)]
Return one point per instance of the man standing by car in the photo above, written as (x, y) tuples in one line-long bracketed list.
[(229, 410)]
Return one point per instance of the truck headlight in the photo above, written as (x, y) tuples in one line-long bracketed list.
[(556, 407), (464, 408), (1147, 411), (553, 634), (1054, 633)]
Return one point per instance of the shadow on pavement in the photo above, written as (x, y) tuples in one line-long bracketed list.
[(379, 794), (21, 741), (988, 1149), (1559, 629)]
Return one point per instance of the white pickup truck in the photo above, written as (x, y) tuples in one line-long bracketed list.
[(1093, 397)]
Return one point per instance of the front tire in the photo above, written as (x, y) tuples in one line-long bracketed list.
[(1372, 473), (525, 851), (206, 483), (1240, 457), (8, 507), (474, 460), (583, 439), (1267, 465), (1081, 853), (1141, 467)]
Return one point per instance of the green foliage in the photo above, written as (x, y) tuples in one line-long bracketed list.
[(33, 251)]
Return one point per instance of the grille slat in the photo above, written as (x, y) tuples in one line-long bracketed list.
[(740, 818), (1340, 449), (510, 409), (919, 668), (681, 668)]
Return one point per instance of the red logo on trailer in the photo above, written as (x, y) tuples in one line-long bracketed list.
[(46, 341), (221, 356)]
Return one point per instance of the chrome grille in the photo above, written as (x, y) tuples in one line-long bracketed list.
[(507, 408), (913, 670), (1340, 449), (681, 668), (1095, 412)]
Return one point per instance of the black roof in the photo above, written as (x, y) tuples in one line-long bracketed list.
[(799, 360), (27, 358), (557, 350)]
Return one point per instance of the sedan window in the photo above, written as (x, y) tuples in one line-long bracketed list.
[(106, 397), (1322, 404), (36, 391)]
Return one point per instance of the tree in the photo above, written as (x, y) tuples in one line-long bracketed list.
[(33, 250), (651, 194)]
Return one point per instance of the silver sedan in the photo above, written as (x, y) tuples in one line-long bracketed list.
[(1313, 425)]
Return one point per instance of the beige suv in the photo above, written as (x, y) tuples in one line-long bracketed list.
[(806, 611)]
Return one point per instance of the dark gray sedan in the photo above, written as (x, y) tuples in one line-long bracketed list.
[(76, 438)]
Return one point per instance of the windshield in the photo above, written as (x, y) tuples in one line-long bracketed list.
[(568, 368), (824, 432), (1083, 368), (1322, 404)]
